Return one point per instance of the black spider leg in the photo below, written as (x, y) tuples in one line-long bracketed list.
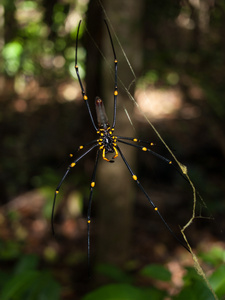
[(80, 82), (135, 140), (89, 209), (170, 162), (147, 196), (146, 149), (115, 85), (83, 146), (63, 178)]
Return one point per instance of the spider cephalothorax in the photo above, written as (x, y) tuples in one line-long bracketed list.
[(107, 141)]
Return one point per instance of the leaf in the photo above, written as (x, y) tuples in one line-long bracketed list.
[(9, 250), (157, 272), (17, 285), (195, 287), (31, 285), (123, 292), (114, 273), (26, 263), (217, 280), (196, 291), (215, 256)]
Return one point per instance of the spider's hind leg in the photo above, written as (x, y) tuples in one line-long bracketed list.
[(150, 201)]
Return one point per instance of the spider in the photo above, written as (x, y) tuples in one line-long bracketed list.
[(108, 143)]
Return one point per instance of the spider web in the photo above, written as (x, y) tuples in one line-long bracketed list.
[(196, 197), (183, 170)]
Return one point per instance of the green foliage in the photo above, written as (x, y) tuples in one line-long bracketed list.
[(114, 273), (123, 292), (217, 280), (157, 272), (12, 54), (27, 282), (194, 287), (215, 256), (9, 250), (37, 41)]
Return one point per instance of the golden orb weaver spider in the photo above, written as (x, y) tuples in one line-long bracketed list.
[(107, 142)]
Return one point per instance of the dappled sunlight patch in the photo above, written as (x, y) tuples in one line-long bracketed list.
[(159, 103), (69, 91), (27, 11), (167, 103), (59, 61), (26, 87)]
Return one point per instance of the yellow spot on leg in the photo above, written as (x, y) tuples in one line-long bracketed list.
[(56, 192), (115, 93), (156, 208), (89, 221), (85, 97), (92, 184), (72, 165), (170, 162), (134, 177), (144, 149)]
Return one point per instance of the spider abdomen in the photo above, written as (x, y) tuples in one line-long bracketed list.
[(101, 114)]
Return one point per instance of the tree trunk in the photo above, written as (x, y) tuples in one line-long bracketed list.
[(114, 182)]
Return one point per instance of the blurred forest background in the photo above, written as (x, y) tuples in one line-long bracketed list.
[(177, 52)]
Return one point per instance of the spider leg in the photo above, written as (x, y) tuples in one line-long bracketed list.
[(89, 206), (80, 82), (145, 149), (83, 146), (147, 196), (63, 178), (152, 152), (135, 140), (115, 84)]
